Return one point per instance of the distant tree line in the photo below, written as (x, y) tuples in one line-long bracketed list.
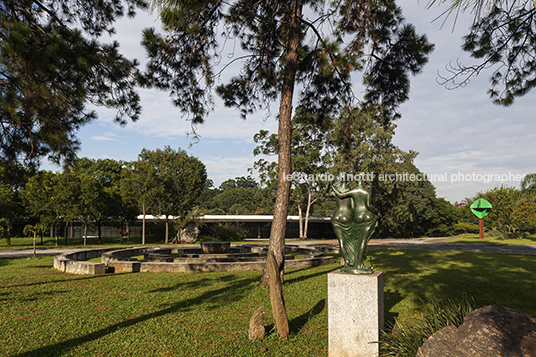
[(101, 192), (171, 184), (513, 213)]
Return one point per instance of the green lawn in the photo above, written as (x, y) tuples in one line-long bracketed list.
[(492, 241), (44, 312)]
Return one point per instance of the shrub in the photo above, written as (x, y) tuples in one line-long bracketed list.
[(466, 227), (405, 340), (229, 231)]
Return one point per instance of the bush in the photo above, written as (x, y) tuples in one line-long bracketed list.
[(228, 231), (466, 227), (405, 340)]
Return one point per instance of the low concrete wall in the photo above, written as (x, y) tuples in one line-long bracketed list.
[(118, 260), (74, 262), (122, 254)]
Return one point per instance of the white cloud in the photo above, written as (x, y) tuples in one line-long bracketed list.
[(454, 131), (221, 169)]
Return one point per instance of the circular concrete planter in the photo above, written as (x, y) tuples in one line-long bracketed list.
[(215, 247)]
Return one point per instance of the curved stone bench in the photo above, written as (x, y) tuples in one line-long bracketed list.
[(75, 262), (119, 260)]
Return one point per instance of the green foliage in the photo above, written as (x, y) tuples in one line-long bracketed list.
[(41, 198), (405, 340), (282, 50), (524, 214), (174, 182), (362, 143), (228, 231), (53, 65), (241, 195), (311, 158), (502, 38), (466, 227), (5, 226), (503, 199), (100, 200), (528, 186), (443, 222)]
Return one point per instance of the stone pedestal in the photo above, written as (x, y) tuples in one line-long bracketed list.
[(355, 314)]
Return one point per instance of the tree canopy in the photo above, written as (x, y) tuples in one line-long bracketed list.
[(177, 182), (52, 65), (502, 39), (282, 45)]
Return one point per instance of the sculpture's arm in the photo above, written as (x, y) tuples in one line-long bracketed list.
[(339, 194), (370, 207)]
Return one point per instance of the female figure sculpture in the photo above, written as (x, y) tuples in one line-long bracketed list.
[(353, 221)]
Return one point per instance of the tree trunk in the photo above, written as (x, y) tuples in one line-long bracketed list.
[(66, 231), (143, 225), (35, 233), (300, 219), (307, 213), (277, 233), (99, 230), (167, 230), (128, 233), (85, 233)]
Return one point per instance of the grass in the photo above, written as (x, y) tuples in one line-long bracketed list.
[(492, 241), (44, 312)]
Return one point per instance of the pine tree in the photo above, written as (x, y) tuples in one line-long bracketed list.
[(51, 66), (282, 50)]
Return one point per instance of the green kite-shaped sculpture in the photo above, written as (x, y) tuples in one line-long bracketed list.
[(481, 208), (353, 221)]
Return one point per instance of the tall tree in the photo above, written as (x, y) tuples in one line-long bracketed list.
[(503, 199), (502, 39), (137, 182), (40, 198), (179, 180), (10, 208), (310, 159), (528, 185), (241, 195), (282, 47), (51, 66), (362, 146), (101, 190)]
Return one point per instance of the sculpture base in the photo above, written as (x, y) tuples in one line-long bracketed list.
[(355, 314), (349, 270)]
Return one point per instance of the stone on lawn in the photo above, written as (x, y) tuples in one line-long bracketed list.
[(493, 330), (188, 234), (256, 324)]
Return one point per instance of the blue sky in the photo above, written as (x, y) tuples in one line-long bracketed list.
[(458, 133)]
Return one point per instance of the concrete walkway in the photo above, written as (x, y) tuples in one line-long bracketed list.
[(433, 244), (413, 243)]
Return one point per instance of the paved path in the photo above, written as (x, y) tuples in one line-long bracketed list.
[(414, 243), (435, 244)]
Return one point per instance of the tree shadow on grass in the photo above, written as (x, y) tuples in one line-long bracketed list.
[(299, 322), (225, 295), (489, 278), (390, 299), (48, 282), (300, 278)]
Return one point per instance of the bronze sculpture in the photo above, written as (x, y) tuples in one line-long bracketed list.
[(353, 221)]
